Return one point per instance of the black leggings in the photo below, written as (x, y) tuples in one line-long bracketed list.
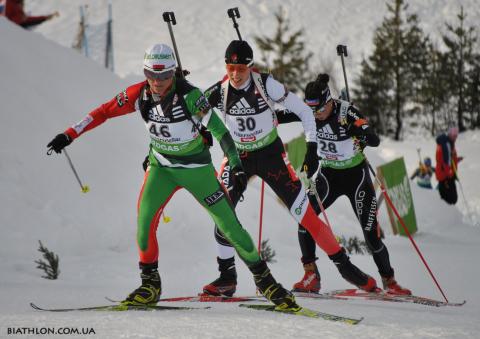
[(270, 164), (448, 191), (357, 185)]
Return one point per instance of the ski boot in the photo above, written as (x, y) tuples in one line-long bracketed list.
[(310, 282), (272, 290), (352, 273), (149, 292), (391, 286), (226, 284)]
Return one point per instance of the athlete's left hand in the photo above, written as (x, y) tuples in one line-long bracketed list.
[(310, 164)]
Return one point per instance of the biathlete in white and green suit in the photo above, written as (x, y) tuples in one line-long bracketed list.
[(174, 112)]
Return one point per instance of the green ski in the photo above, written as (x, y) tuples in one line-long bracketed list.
[(306, 313)]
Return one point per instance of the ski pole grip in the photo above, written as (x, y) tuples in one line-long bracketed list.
[(233, 13), (342, 50), (169, 17)]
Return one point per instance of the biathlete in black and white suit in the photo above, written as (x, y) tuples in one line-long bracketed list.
[(342, 133), (246, 99)]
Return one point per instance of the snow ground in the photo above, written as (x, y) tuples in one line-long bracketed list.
[(94, 233)]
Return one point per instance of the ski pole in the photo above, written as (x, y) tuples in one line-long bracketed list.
[(232, 14), (169, 18), (85, 188), (390, 203), (342, 50), (313, 186), (419, 155), (463, 194), (260, 226)]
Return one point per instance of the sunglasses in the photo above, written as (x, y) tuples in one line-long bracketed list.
[(159, 76), (236, 67)]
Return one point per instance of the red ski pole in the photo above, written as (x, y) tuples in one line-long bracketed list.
[(342, 51), (387, 199), (261, 219)]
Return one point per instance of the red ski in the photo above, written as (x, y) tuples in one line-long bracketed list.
[(205, 299), (378, 296)]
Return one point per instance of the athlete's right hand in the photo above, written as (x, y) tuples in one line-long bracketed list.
[(240, 179), (310, 164), (58, 143)]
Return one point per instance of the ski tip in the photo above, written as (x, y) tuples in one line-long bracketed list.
[(35, 307), (357, 321)]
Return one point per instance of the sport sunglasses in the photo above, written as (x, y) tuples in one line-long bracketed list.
[(236, 67), (158, 76)]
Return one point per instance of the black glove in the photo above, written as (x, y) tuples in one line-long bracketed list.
[(311, 159), (239, 179), (207, 136), (145, 163), (58, 143)]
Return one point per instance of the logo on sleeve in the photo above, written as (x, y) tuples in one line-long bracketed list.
[(80, 126), (202, 104), (122, 98), (214, 198)]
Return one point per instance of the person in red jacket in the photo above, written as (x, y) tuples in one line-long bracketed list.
[(14, 11), (446, 169)]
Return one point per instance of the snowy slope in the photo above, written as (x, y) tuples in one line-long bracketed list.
[(94, 233)]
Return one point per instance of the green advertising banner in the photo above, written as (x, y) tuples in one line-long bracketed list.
[(395, 179)]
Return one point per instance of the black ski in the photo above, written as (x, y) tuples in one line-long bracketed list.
[(119, 308)]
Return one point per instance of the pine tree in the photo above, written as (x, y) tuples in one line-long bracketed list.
[(267, 253), (432, 93), (50, 266), (285, 54), (473, 93), (371, 96), (398, 59), (460, 61)]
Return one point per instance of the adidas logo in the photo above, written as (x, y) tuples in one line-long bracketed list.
[(177, 112), (241, 108), (327, 133), (261, 103), (155, 115)]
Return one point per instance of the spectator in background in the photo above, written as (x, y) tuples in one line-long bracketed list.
[(447, 161), (14, 11), (2, 7), (424, 173)]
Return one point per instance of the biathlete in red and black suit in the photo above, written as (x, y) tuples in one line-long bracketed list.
[(246, 99)]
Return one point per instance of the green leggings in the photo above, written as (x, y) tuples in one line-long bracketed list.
[(160, 184)]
